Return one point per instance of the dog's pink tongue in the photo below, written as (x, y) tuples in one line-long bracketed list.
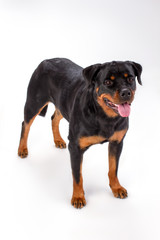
[(124, 109)]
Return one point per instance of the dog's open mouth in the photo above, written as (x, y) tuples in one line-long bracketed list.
[(122, 109)]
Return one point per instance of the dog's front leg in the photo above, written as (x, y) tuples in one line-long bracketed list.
[(76, 155), (115, 149)]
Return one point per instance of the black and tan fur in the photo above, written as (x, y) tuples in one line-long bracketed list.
[(78, 95)]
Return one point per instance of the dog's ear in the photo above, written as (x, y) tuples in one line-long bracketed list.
[(138, 70), (91, 72)]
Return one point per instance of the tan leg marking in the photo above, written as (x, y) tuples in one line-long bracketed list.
[(78, 199), (59, 142), (117, 189), (23, 150)]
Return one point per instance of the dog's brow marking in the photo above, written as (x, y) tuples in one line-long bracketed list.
[(112, 77), (126, 75), (88, 141)]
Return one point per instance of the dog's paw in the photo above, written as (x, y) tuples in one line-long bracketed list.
[(78, 202), (120, 192), (60, 144), (23, 152)]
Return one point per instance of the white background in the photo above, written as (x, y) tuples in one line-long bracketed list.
[(35, 192)]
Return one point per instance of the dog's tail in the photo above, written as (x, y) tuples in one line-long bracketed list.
[(43, 112)]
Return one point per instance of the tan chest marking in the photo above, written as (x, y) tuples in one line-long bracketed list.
[(118, 136), (88, 141)]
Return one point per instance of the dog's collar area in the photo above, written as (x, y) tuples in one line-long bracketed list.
[(122, 109)]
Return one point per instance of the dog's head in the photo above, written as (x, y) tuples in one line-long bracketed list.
[(114, 85)]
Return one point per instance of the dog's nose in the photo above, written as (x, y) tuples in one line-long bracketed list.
[(125, 94)]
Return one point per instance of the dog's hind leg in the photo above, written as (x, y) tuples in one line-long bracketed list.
[(30, 113), (59, 142)]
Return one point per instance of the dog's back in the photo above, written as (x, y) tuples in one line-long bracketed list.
[(55, 80)]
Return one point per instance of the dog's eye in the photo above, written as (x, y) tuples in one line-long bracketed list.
[(130, 80), (108, 82)]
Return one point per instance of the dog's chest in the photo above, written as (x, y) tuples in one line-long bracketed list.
[(87, 141)]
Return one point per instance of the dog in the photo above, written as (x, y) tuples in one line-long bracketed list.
[(96, 101)]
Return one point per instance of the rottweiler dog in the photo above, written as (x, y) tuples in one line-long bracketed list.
[(96, 101)]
